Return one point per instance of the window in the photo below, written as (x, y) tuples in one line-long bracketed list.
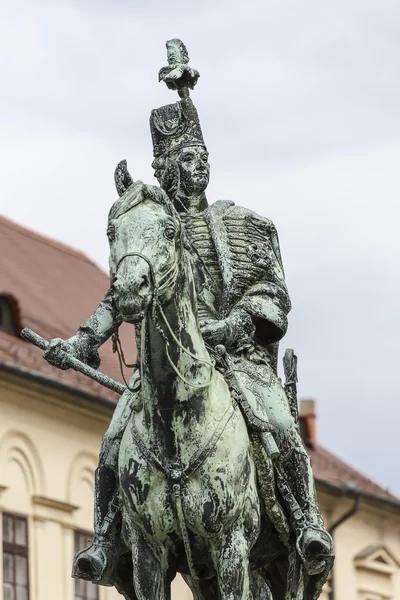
[(376, 569), (15, 558), (7, 320), (84, 590)]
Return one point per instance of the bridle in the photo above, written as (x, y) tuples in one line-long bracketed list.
[(167, 279)]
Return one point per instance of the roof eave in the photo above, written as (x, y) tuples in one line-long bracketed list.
[(368, 496), (58, 385)]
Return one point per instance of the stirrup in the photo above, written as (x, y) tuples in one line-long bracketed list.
[(92, 567), (317, 563)]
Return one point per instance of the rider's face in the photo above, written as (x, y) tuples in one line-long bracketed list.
[(194, 169)]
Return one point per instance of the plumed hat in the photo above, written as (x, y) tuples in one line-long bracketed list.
[(175, 126)]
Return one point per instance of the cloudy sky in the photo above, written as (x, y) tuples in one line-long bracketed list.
[(300, 107)]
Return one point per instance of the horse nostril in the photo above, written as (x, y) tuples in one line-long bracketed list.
[(144, 284)]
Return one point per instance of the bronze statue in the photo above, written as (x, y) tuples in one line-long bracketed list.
[(202, 470)]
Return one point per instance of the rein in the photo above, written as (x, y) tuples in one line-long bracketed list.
[(167, 279)]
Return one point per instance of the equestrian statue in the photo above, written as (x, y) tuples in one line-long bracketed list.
[(202, 470)]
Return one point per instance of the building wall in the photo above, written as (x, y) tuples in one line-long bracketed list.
[(48, 452), (49, 443), (374, 532)]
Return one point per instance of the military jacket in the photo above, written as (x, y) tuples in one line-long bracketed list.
[(252, 272)]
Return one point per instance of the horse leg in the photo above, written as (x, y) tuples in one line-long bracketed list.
[(259, 587), (206, 589), (149, 572), (231, 561)]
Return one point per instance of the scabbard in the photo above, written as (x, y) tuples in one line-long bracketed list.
[(290, 370)]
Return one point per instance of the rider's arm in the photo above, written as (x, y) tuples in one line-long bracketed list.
[(85, 342), (267, 302), (94, 332), (263, 307), (267, 305)]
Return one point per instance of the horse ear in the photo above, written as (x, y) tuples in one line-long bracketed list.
[(122, 178)]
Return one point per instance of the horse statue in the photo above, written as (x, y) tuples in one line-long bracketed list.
[(188, 486)]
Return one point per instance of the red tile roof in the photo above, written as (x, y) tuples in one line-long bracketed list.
[(331, 470), (53, 289)]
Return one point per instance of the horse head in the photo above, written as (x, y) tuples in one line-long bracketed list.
[(144, 233)]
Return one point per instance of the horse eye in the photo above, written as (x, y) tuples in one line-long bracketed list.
[(111, 234), (169, 233)]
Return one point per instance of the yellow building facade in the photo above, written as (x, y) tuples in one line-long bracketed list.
[(49, 442)]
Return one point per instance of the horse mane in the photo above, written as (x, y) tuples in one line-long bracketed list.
[(151, 192)]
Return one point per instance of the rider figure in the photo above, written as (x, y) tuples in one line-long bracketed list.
[(242, 304)]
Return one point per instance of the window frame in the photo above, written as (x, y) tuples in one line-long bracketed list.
[(16, 550)]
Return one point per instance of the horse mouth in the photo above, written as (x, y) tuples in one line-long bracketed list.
[(133, 317), (131, 312)]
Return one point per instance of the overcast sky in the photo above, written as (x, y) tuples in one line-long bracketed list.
[(300, 106)]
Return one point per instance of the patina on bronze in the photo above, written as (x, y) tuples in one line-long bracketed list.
[(202, 470)]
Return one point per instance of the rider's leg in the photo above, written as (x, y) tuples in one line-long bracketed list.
[(99, 564), (313, 541)]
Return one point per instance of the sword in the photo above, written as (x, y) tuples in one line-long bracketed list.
[(75, 363)]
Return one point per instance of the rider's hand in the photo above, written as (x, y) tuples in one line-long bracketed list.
[(79, 346), (235, 331), (57, 353), (213, 332)]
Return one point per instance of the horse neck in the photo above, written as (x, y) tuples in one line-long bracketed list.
[(166, 395)]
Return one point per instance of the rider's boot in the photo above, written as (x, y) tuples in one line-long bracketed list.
[(98, 562), (314, 543)]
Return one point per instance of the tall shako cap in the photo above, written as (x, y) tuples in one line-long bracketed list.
[(176, 126)]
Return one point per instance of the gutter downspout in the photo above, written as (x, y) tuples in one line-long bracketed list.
[(350, 513)]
